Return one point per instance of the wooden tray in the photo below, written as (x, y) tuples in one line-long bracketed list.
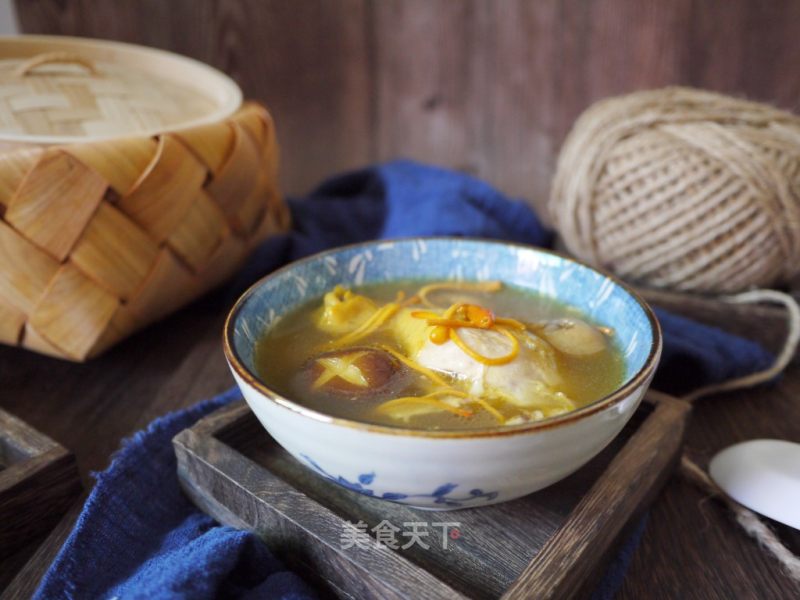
[(38, 482), (551, 544)]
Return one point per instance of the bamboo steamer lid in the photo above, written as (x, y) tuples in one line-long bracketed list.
[(132, 180), (67, 90)]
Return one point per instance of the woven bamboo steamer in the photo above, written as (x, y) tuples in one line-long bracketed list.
[(132, 181)]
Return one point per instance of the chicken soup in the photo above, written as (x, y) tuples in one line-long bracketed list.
[(440, 355)]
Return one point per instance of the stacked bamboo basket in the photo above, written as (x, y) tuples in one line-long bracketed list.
[(131, 182)]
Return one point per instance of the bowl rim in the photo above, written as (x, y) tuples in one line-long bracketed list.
[(607, 401)]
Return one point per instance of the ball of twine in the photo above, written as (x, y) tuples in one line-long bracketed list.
[(683, 189), (693, 191)]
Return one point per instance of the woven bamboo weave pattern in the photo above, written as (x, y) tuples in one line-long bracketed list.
[(98, 239), (91, 99), (683, 189)]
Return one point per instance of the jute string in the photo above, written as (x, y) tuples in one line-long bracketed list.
[(746, 518), (693, 191), (683, 189)]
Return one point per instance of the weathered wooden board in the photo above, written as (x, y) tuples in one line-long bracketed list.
[(689, 549), (27, 567), (38, 482), (552, 544), (484, 86)]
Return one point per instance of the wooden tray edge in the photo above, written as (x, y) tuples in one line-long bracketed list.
[(626, 487), (632, 479), (38, 485), (290, 513)]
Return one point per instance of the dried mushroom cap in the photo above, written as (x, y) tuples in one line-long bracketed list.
[(352, 373)]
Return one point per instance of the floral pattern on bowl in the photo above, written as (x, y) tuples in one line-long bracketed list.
[(441, 495)]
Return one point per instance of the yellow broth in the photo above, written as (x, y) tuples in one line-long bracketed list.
[(283, 357)]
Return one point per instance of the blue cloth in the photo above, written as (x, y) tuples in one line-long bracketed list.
[(400, 199), (139, 537)]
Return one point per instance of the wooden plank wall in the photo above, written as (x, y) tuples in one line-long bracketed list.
[(490, 87)]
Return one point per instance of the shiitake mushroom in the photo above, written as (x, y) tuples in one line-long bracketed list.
[(352, 373)]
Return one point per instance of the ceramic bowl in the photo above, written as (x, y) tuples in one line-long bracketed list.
[(444, 469)]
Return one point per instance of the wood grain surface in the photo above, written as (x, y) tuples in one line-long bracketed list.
[(563, 568), (487, 87), (38, 482), (20, 575), (552, 544), (307, 533), (690, 549)]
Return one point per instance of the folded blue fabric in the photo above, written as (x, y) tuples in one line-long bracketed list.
[(400, 199), (139, 537)]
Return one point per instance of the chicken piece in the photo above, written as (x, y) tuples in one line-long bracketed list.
[(404, 409), (343, 311), (529, 381)]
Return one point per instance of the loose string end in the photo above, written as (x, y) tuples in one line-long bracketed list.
[(784, 356), (746, 518)]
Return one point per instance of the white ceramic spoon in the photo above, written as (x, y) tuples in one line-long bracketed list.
[(764, 476)]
